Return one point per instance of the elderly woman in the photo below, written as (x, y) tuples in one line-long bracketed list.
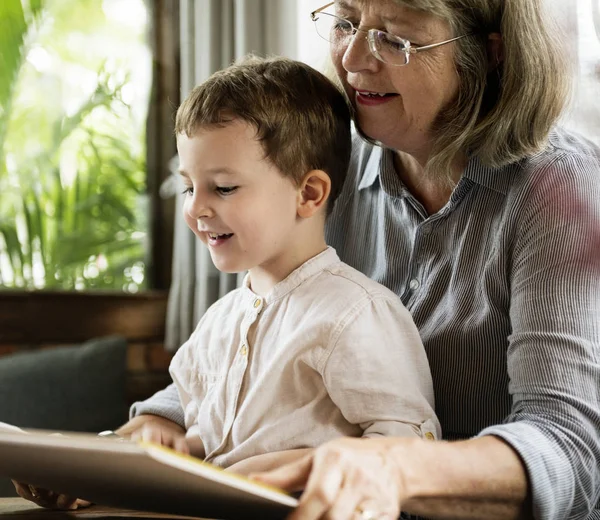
[(484, 218), (466, 200)]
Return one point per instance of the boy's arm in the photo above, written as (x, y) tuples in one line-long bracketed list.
[(164, 403), (377, 372), (268, 461)]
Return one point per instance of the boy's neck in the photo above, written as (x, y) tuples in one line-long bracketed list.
[(304, 245)]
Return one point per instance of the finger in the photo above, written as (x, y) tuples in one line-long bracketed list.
[(83, 503), (180, 444), (65, 502), (148, 433), (348, 499), (291, 477), (36, 495), (23, 490), (322, 488)]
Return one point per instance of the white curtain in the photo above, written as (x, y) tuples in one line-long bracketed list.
[(214, 33)]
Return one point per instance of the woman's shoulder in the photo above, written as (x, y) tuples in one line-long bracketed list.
[(569, 163), (567, 142), (567, 153)]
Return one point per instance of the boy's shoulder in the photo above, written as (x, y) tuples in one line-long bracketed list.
[(342, 279), (228, 302)]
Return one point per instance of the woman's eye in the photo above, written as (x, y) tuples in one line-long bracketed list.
[(226, 190), (343, 25), (391, 42), (188, 191)]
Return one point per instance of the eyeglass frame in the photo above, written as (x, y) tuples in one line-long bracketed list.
[(370, 38)]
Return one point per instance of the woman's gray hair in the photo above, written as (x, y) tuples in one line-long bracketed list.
[(504, 112)]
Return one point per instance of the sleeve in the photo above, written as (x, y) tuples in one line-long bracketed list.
[(164, 403), (554, 349), (377, 372)]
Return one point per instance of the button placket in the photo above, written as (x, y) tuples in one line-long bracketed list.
[(238, 370)]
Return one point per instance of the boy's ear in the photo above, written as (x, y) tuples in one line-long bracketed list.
[(313, 193)]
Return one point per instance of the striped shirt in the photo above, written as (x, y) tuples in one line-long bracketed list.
[(504, 286)]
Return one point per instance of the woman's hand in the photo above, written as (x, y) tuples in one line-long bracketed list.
[(343, 479), (48, 499)]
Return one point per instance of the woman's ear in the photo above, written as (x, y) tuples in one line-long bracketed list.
[(313, 193), (495, 51)]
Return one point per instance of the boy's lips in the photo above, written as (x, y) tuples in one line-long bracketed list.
[(214, 239), (215, 236)]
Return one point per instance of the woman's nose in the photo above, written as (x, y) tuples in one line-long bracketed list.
[(357, 55)]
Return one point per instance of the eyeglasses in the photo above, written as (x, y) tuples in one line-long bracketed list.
[(386, 47)]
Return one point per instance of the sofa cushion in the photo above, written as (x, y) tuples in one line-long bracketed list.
[(76, 388)]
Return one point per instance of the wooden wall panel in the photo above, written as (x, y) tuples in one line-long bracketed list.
[(54, 317)]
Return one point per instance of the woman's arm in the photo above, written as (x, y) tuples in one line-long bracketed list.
[(479, 478)]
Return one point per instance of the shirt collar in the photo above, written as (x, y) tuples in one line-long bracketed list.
[(372, 168), (492, 178), (309, 268), (496, 179)]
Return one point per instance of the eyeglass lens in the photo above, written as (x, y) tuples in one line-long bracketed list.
[(338, 31)]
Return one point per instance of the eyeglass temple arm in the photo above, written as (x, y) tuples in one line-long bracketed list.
[(316, 11), (425, 47)]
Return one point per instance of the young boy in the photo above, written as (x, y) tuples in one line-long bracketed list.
[(308, 349)]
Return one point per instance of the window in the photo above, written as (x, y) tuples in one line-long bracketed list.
[(583, 28), (74, 96)]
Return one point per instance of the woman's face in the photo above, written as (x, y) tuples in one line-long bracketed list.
[(404, 118)]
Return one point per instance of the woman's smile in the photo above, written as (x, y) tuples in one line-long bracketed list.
[(370, 98)]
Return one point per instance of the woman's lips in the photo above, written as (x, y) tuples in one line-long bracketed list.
[(369, 98)]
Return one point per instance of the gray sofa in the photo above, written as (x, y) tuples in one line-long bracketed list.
[(75, 388)]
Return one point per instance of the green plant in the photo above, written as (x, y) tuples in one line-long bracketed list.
[(72, 177)]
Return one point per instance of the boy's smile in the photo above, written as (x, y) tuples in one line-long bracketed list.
[(238, 203)]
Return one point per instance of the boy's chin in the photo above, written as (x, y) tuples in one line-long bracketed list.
[(227, 267)]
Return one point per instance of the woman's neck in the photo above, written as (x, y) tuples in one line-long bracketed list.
[(433, 193)]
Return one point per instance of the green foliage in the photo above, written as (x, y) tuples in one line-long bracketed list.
[(72, 170)]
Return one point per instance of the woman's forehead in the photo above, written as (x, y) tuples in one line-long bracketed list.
[(389, 7), (401, 12)]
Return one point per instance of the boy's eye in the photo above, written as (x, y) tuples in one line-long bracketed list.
[(226, 190)]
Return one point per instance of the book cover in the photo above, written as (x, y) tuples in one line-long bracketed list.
[(130, 475)]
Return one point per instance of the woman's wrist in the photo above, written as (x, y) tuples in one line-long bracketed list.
[(476, 478), (409, 456)]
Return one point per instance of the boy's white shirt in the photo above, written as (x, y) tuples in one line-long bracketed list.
[(327, 353)]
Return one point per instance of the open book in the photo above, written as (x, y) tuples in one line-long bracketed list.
[(142, 476)]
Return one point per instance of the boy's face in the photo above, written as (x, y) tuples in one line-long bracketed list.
[(237, 202)]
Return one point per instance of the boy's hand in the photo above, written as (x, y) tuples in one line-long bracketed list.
[(159, 430), (48, 499), (150, 428)]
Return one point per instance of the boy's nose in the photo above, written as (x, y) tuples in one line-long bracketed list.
[(197, 210)]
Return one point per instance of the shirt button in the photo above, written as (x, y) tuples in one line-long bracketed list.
[(257, 303), (244, 350), (414, 284), (430, 436)]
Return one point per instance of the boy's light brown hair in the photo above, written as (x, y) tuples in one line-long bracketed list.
[(302, 119)]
